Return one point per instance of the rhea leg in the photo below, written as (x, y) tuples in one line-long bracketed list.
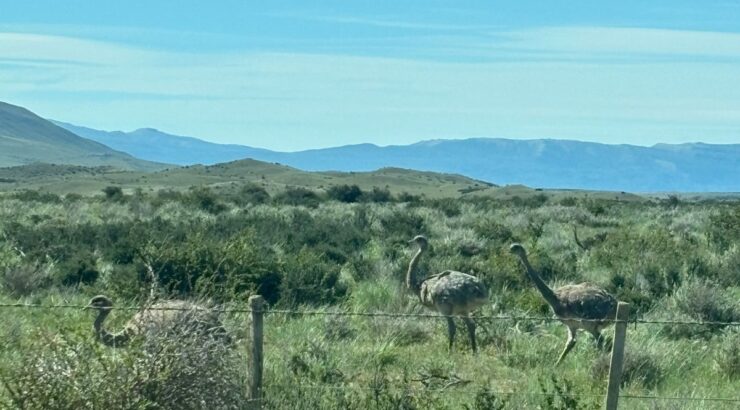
[(568, 345), (451, 329), (471, 332), (598, 338)]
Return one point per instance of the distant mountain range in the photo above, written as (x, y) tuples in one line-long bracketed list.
[(544, 163), (26, 138), (153, 145)]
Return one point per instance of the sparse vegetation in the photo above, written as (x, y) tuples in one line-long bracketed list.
[(337, 252)]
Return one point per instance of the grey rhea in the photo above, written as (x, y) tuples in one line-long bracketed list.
[(164, 317), (582, 306), (448, 292)]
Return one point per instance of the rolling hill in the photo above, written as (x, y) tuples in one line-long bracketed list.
[(544, 163), (26, 138), (63, 179)]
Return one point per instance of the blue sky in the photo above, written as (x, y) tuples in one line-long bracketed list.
[(292, 75)]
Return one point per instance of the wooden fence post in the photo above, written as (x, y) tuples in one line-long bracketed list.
[(617, 359), (256, 305)]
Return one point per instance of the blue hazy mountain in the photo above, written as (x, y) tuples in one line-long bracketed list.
[(545, 163), (26, 138), (149, 143)]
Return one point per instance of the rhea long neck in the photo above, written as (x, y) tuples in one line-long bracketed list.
[(107, 338), (541, 286), (411, 282)]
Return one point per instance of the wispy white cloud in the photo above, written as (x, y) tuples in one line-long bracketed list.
[(381, 22), (643, 41), (23, 46), (270, 98)]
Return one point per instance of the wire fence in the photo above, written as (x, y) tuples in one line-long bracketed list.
[(472, 392), (393, 315), (296, 312)]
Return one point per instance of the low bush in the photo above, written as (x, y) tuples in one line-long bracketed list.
[(638, 368), (310, 279), (298, 196), (345, 193), (205, 199), (25, 279), (113, 193), (70, 372), (701, 301), (727, 358)]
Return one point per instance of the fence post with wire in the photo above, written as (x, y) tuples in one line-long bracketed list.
[(617, 358), (256, 306)]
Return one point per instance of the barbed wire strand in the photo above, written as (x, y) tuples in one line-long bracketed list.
[(448, 390), (452, 390), (376, 314), (716, 399), (414, 315)]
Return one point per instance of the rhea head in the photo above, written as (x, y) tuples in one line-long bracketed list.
[(420, 240), (517, 249), (100, 302)]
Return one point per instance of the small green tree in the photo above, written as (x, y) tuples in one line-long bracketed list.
[(113, 193), (345, 193)]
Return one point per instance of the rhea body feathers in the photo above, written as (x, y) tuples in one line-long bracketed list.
[(177, 317), (449, 292), (580, 306)]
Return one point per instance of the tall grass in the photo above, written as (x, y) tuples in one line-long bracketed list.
[(670, 263)]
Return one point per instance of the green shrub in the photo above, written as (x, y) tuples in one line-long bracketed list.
[(113, 193), (727, 274), (337, 239), (221, 271), (310, 279), (597, 208), (724, 227), (561, 393), (486, 399), (338, 327), (25, 279), (645, 264), (124, 282), (345, 193), (80, 269), (68, 372), (28, 195), (167, 195), (495, 231), (360, 268), (449, 206), (727, 358), (403, 224), (701, 301), (409, 198), (252, 194), (298, 196), (379, 195), (205, 199), (568, 201)]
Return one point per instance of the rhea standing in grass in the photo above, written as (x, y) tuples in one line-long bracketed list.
[(582, 306), (448, 292)]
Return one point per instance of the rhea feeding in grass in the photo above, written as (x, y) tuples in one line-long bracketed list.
[(178, 317), (582, 306), (448, 292)]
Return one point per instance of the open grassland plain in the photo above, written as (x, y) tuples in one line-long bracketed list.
[(273, 178), (340, 250)]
